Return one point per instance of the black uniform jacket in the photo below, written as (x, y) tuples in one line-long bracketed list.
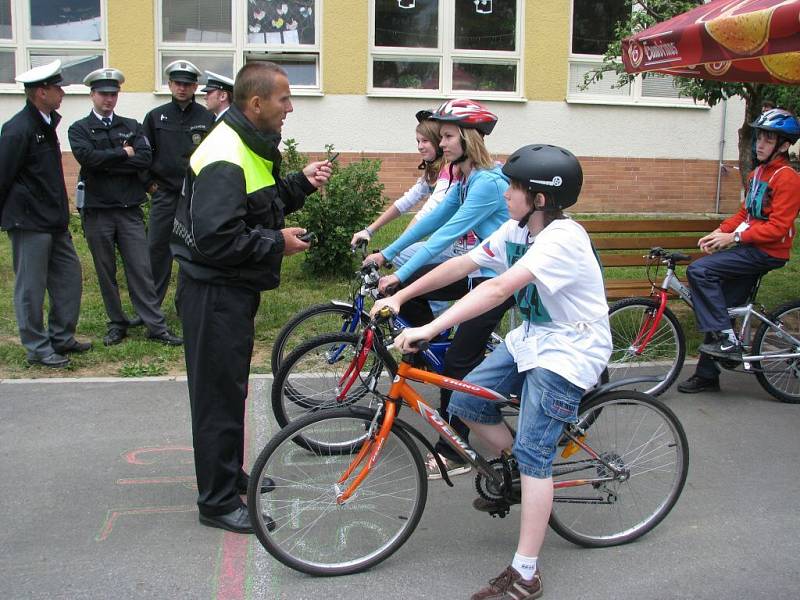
[(232, 207), (174, 134), (32, 191), (111, 178)]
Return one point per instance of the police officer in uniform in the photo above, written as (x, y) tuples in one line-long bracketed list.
[(174, 129), (114, 155), (35, 213), (219, 94), (229, 240)]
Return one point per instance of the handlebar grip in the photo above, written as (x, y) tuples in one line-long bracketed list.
[(422, 345)]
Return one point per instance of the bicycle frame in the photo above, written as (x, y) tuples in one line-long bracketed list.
[(745, 312), (402, 393)]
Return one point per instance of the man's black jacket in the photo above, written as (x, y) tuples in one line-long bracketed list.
[(229, 216), (111, 178), (174, 133), (32, 191)]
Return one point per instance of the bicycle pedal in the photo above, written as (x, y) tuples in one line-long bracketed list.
[(500, 513)]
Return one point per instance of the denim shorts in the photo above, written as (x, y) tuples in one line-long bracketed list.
[(548, 402)]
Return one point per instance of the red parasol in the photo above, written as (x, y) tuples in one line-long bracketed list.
[(727, 40)]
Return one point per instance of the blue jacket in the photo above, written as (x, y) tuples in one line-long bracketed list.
[(482, 211)]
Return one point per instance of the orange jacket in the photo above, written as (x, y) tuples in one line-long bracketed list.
[(773, 232)]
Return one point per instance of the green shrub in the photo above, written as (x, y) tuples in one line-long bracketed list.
[(351, 201)]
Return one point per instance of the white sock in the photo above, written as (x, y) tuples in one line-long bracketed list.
[(730, 335), (525, 565)]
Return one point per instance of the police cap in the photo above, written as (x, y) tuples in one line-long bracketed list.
[(218, 82), (49, 74), (104, 80), (183, 71)]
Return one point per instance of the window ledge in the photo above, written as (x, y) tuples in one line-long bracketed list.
[(68, 90), (435, 95), (638, 102), (300, 92)]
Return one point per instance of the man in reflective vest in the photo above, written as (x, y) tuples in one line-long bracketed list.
[(229, 239)]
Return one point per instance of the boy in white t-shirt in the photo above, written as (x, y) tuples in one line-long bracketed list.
[(558, 352)]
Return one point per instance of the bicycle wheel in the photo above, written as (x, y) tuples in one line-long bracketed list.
[(644, 439), (313, 321), (310, 379), (780, 376), (313, 533), (661, 357)]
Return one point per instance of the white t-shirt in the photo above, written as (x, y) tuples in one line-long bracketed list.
[(566, 316)]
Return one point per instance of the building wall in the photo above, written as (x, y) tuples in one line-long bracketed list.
[(638, 158)]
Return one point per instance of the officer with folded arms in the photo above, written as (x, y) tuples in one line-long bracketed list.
[(174, 129), (114, 155), (34, 210), (219, 93)]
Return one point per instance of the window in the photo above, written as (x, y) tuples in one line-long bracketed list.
[(70, 30), (222, 35), (431, 47), (593, 26)]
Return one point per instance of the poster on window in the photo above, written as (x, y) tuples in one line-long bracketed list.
[(281, 22)]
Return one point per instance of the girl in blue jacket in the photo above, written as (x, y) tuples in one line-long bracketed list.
[(472, 210)]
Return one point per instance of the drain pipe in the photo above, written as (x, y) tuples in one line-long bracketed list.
[(721, 154)]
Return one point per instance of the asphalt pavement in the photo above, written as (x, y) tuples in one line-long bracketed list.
[(98, 501)]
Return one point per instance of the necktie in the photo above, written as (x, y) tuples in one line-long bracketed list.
[(107, 121)]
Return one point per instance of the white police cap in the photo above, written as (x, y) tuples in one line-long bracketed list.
[(182, 70), (49, 74), (217, 82), (104, 80)]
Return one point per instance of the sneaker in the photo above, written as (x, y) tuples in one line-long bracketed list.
[(453, 468), (724, 348), (696, 384), (498, 506), (510, 585)]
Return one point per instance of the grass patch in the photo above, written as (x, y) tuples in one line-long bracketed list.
[(136, 356)]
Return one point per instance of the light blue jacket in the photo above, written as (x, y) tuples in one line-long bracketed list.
[(482, 211)]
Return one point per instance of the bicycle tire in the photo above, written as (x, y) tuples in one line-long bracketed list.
[(328, 317), (308, 379), (643, 437), (312, 533), (779, 377), (662, 357)]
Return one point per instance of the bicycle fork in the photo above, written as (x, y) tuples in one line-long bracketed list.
[(648, 328)]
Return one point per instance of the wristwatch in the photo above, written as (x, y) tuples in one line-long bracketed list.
[(737, 237)]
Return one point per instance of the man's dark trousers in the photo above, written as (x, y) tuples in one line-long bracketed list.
[(218, 334), (107, 229), (719, 281), (163, 204)]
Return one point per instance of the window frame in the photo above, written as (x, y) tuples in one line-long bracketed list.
[(239, 49), (23, 45), (634, 97), (445, 55)]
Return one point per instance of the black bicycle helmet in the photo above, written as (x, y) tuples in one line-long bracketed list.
[(548, 169)]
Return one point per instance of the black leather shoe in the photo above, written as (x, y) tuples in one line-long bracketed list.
[(114, 336), (136, 322), (696, 384), (73, 346), (237, 521), (267, 485), (166, 337), (54, 360)]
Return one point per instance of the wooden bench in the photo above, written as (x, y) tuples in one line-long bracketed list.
[(624, 243)]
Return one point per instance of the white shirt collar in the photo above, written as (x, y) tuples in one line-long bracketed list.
[(101, 117), (46, 118), (219, 116)]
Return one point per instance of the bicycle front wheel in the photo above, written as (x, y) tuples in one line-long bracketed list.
[(313, 533), (642, 348), (313, 321), (646, 445), (311, 379), (780, 376)]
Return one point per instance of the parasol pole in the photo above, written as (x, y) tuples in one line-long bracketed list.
[(721, 153)]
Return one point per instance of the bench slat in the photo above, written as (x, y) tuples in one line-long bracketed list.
[(706, 225), (634, 260), (672, 242)]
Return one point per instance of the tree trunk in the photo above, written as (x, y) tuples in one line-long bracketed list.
[(752, 110)]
